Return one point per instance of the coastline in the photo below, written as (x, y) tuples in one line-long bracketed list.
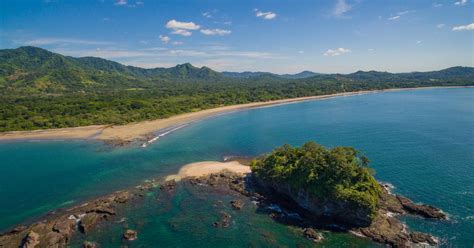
[(142, 130), (62, 226)]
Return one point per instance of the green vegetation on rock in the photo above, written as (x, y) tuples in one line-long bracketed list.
[(328, 176)]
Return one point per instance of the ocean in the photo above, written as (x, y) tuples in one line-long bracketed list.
[(420, 141)]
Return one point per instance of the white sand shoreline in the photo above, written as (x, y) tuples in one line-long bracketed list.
[(204, 168), (142, 130)]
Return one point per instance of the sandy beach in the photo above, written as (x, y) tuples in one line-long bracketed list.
[(208, 167), (142, 130)]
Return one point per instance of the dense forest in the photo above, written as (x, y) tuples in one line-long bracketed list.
[(337, 174), (40, 89)]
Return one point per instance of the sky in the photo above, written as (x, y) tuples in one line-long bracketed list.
[(280, 36)]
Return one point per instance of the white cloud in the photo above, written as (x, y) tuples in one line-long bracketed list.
[(177, 43), (173, 24), (400, 14), (121, 2), (215, 31), (437, 5), (265, 15), (371, 50), (336, 52), (418, 42), (165, 39), (461, 2), (341, 8), (405, 12), (182, 28), (182, 32), (441, 25), (207, 14), (464, 27), (300, 52)]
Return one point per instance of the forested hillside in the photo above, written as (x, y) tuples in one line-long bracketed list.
[(40, 89)]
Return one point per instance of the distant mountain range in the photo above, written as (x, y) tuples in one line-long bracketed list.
[(37, 70), (249, 74)]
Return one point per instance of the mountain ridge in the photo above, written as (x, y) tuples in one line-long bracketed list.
[(33, 69)]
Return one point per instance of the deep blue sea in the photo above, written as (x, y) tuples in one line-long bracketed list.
[(421, 141)]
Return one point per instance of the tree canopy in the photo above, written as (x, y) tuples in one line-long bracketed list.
[(340, 173), (40, 89)]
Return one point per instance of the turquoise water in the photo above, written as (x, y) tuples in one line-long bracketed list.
[(421, 141), (185, 217)]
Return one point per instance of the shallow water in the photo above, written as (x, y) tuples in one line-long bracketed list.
[(185, 218), (421, 141)]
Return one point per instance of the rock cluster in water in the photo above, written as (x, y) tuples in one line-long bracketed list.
[(57, 229), (385, 228)]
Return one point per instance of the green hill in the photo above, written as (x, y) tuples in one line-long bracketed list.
[(33, 69), (40, 89)]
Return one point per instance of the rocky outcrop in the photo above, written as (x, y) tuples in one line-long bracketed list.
[(58, 227), (224, 220), (31, 240), (88, 244), (118, 142), (423, 238), (168, 186), (424, 210), (130, 235), (236, 204), (312, 235), (88, 222), (345, 212), (65, 226), (385, 228)]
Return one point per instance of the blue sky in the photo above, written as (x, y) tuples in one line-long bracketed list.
[(284, 36)]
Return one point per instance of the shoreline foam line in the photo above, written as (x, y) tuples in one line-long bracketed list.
[(149, 142)]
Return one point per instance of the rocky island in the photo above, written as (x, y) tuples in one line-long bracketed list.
[(310, 187)]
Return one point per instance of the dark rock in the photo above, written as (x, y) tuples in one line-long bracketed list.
[(88, 222), (386, 230), (168, 185), (31, 240), (224, 221), (345, 212), (55, 239), (17, 229), (88, 244), (65, 226), (103, 210), (418, 237), (118, 142), (122, 197), (236, 204), (424, 210), (390, 203), (130, 235), (311, 234)]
